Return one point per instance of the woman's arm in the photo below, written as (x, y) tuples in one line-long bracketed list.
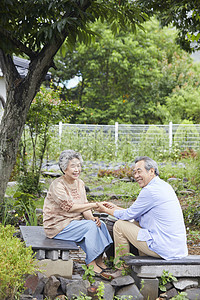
[(82, 207), (89, 216)]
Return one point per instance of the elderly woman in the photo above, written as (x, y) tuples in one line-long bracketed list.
[(67, 214)]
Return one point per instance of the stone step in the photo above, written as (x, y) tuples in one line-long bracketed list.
[(188, 266)]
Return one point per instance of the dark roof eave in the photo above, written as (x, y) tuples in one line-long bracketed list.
[(22, 66)]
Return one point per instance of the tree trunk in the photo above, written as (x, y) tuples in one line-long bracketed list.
[(20, 93), (10, 133)]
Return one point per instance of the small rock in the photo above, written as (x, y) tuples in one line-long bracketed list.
[(112, 196), (63, 283), (187, 192), (171, 293), (51, 174), (76, 277), (193, 294), (96, 194), (12, 183), (173, 179), (169, 286), (130, 290), (122, 281), (98, 188), (26, 297), (115, 181), (184, 283), (35, 283), (75, 288), (109, 291), (51, 287), (126, 179)]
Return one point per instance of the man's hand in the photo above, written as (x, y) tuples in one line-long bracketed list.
[(109, 204), (106, 207), (101, 207)]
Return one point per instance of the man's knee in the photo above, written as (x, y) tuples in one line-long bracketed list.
[(126, 228), (118, 226)]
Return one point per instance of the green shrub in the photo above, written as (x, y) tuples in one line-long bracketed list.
[(29, 183), (16, 260), (25, 208), (192, 214)]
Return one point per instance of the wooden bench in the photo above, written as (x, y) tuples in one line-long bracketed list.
[(149, 269), (44, 247)]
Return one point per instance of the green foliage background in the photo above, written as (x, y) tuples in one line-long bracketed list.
[(138, 78)]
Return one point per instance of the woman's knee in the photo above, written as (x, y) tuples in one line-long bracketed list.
[(91, 225), (87, 226)]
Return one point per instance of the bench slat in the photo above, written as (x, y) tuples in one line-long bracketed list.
[(152, 261), (35, 237)]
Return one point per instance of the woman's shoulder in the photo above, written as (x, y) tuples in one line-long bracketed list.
[(80, 182), (56, 182)]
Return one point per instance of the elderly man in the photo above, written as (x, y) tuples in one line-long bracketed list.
[(154, 223)]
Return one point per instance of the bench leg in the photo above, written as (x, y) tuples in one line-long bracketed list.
[(147, 284), (52, 254), (40, 254), (65, 255)]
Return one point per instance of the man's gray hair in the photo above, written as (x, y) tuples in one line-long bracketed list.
[(149, 163), (65, 158)]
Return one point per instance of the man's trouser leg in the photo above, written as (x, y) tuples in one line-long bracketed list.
[(126, 232)]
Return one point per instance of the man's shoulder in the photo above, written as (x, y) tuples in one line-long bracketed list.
[(157, 183)]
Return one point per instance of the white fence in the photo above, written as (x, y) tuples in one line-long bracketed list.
[(181, 135)]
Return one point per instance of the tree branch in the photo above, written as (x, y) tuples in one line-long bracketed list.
[(17, 43), (9, 70)]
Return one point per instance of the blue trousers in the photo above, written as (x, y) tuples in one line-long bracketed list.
[(92, 239)]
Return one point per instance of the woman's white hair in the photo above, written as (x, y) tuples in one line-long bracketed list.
[(66, 156)]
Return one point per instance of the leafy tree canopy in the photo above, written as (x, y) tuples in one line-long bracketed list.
[(183, 14), (127, 77), (27, 25)]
